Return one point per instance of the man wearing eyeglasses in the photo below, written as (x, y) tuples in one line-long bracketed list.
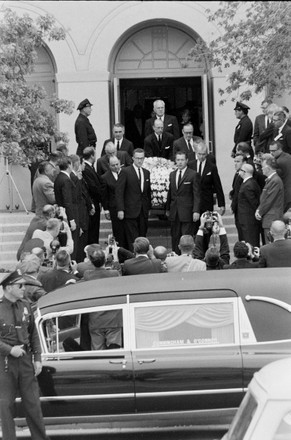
[(20, 359), (248, 201), (282, 132)]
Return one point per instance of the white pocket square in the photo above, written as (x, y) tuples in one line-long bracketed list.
[(186, 183), (208, 174), (169, 125), (166, 148)]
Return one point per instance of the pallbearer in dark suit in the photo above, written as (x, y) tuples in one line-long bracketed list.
[(133, 198), (119, 140), (170, 122), (183, 203), (96, 189), (111, 150), (110, 179), (159, 144), (248, 201)]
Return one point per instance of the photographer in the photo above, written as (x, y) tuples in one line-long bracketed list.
[(211, 224), (56, 229), (277, 253), (60, 275)]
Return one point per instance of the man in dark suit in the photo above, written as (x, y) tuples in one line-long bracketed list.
[(170, 122), (65, 193), (233, 194), (210, 182), (159, 143), (99, 271), (134, 126), (120, 142), (183, 202), (142, 263), (133, 198), (272, 197), (60, 275), (248, 201), (241, 251), (111, 150), (85, 133), (262, 122), (283, 161), (244, 129), (186, 143), (96, 189), (277, 253), (110, 179), (282, 131)]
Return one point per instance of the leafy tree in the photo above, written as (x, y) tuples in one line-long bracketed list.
[(254, 43), (26, 128)]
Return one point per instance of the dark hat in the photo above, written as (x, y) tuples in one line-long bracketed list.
[(12, 278), (241, 106), (84, 103), (33, 243)]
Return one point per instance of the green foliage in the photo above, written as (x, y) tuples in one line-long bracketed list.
[(255, 42), (26, 128)]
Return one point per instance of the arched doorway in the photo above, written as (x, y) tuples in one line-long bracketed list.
[(151, 63)]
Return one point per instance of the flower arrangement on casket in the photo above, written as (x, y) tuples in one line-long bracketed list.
[(160, 170)]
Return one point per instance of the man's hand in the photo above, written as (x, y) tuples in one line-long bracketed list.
[(37, 368), (257, 215), (73, 225), (219, 218), (107, 215), (17, 351), (196, 216), (168, 213), (221, 210), (120, 215), (203, 220)]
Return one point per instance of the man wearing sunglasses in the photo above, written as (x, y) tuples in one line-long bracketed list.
[(20, 359)]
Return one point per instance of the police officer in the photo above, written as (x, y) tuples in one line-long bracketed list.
[(244, 129), (20, 359), (85, 133)]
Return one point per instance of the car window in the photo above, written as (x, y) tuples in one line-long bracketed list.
[(187, 324), (243, 418), (284, 429), (101, 329)]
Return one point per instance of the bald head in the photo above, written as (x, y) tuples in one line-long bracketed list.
[(160, 252), (278, 229), (110, 149)]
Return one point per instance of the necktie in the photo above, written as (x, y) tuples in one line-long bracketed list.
[(18, 323), (200, 169), (139, 176), (118, 146), (179, 178), (189, 146)]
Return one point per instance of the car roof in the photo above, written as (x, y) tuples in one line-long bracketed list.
[(274, 378), (241, 282)]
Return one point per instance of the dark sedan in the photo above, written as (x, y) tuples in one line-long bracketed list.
[(187, 344)]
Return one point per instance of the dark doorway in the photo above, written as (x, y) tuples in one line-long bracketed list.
[(180, 94)]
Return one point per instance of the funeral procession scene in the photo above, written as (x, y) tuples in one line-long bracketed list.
[(148, 141)]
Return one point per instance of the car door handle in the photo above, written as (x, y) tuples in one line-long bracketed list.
[(146, 361), (119, 362)]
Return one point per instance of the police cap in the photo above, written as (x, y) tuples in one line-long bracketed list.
[(84, 103), (12, 278), (241, 106)]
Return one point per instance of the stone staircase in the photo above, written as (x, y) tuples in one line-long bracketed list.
[(13, 226)]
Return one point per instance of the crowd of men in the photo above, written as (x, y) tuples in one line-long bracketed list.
[(61, 245)]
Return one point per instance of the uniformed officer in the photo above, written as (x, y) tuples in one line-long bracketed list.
[(20, 359), (85, 133), (244, 129)]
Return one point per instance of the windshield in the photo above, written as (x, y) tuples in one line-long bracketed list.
[(243, 418)]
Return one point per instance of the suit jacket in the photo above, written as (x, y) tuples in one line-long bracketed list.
[(181, 145), (109, 191), (152, 148), (284, 171), (55, 278), (243, 131), (129, 197), (65, 192), (233, 195), (199, 249), (184, 263), (241, 263), (285, 138), (103, 162), (100, 272), (276, 254), (259, 128), (133, 133), (248, 201), (170, 125), (94, 184), (271, 201), (141, 265), (209, 184), (184, 200), (43, 193), (85, 134), (126, 145)]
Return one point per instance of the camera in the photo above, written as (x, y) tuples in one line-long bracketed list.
[(210, 220)]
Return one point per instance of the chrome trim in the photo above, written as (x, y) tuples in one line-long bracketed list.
[(127, 395), (277, 302)]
